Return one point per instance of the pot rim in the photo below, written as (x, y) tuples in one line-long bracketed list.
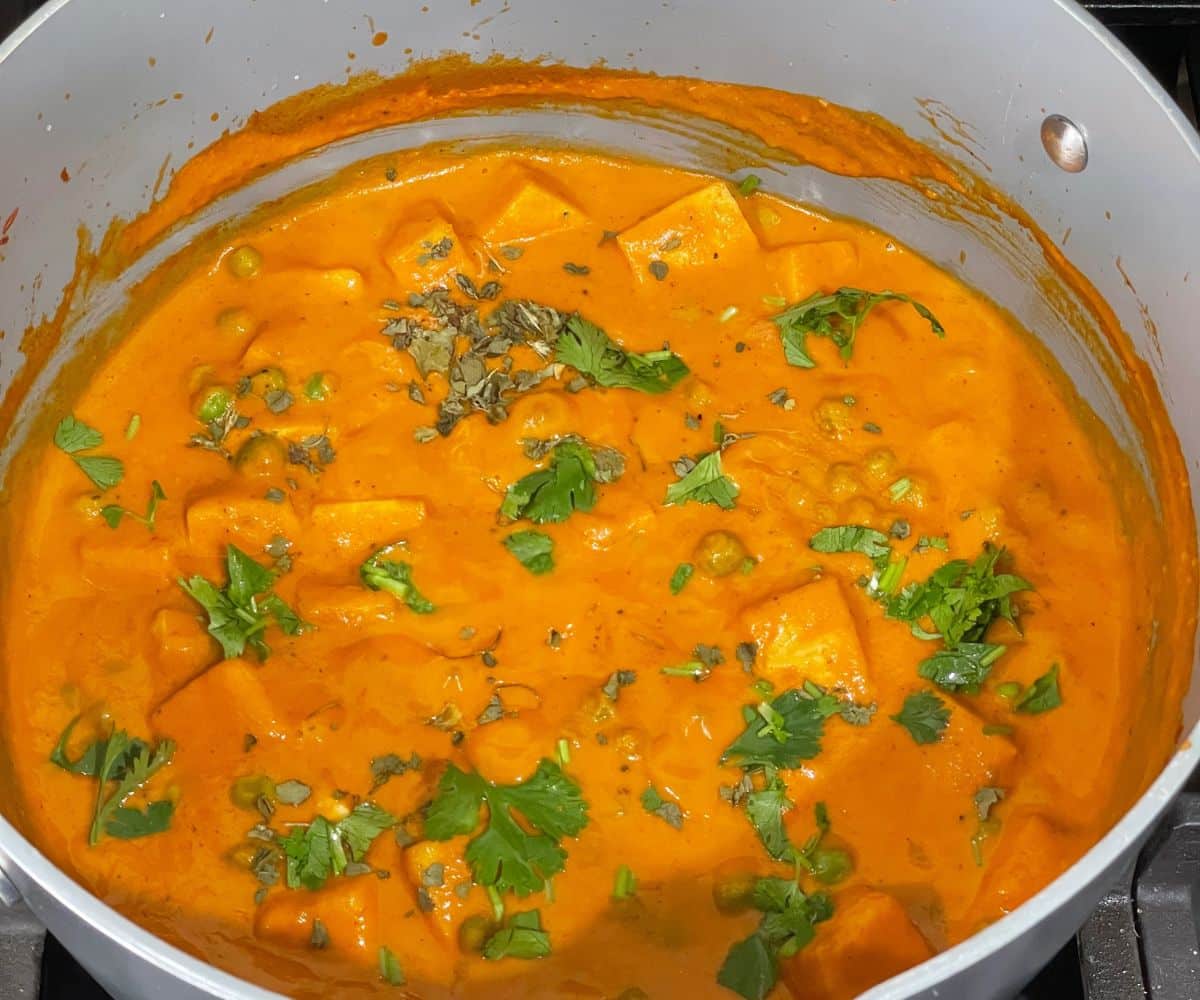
[(24, 857)]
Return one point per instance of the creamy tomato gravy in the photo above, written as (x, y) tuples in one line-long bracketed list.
[(970, 439)]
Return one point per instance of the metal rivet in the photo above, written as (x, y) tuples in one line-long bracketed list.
[(1064, 143)]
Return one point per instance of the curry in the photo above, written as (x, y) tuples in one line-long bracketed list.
[(533, 572)]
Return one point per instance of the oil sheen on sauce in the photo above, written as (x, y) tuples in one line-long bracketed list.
[(945, 445)]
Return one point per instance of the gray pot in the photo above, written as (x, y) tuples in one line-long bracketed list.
[(998, 66)]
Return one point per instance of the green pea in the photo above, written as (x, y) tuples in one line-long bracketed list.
[(268, 380), (734, 892), (213, 404), (235, 321), (261, 456), (831, 865), (244, 262), (248, 789)]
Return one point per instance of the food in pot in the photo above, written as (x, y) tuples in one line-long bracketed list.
[(535, 572)]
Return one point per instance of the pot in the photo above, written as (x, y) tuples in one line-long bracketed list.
[(104, 97)]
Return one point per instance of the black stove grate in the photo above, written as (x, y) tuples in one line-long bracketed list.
[(1143, 941)]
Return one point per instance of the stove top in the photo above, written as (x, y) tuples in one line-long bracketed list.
[(1142, 941)]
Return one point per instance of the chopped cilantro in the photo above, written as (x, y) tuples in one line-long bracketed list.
[(963, 668), (590, 351), (837, 317), (521, 937), (960, 600), (241, 611), (751, 967), (533, 549), (924, 715), (792, 732), (505, 855), (749, 184), (73, 436), (681, 576), (927, 542), (113, 513), (765, 808), (664, 809), (704, 482), (624, 883), (565, 485), (852, 538), (1042, 695), (128, 764), (395, 577), (390, 970), (323, 849)]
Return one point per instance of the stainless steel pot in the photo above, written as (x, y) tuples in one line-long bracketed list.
[(103, 92)]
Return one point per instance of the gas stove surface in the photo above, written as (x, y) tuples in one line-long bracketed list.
[(1143, 941)]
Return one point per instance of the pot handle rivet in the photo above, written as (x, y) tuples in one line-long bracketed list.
[(1064, 143)]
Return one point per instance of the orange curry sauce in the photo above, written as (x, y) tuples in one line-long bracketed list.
[(968, 439)]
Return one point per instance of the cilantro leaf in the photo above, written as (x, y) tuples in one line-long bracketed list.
[(963, 668), (837, 317), (960, 600), (751, 967), (590, 351), (924, 715), (365, 822), (1042, 695), (320, 850), (504, 854), (240, 612), (521, 937), (104, 472), (73, 435), (114, 513), (129, 764), (705, 482), (792, 732), (765, 809), (852, 538), (565, 485), (128, 824), (88, 763), (311, 855), (533, 549), (379, 573)]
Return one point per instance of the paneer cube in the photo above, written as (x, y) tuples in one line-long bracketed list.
[(802, 269), (425, 247), (441, 878), (809, 634), (700, 230), (248, 522), (343, 604), (358, 527), (535, 209), (873, 940), (1026, 853), (246, 707), (348, 908)]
